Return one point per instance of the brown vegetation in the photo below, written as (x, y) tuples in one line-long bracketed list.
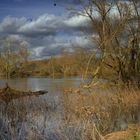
[(87, 113), (107, 110), (68, 64), (115, 38), (129, 134), (11, 58)]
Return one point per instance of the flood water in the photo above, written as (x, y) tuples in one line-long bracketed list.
[(51, 85), (37, 118), (41, 117)]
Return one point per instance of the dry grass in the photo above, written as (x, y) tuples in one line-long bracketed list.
[(18, 119), (131, 133), (122, 135), (83, 116), (31, 119), (109, 111)]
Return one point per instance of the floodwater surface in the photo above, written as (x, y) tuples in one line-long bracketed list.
[(51, 85), (34, 115)]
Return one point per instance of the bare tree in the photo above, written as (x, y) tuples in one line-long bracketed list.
[(11, 57), (116, 38)]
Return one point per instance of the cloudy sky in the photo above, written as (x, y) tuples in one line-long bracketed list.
[(44, 26)]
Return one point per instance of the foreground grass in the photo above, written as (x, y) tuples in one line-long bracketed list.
[(109, 111), (80, 115), (128, 134)]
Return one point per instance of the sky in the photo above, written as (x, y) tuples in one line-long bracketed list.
[(45, 27)]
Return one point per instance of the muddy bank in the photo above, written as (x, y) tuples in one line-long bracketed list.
[(7, 93)]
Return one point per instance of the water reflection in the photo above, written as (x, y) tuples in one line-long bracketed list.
[(41, 83), (33, 116)]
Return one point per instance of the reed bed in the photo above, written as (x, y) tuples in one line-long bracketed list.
[(79, 115), (109, 111)]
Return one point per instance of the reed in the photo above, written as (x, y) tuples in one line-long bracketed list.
[(109, 111)]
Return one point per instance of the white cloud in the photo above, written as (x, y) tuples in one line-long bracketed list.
[(81, 41), (77, 21), (46, 35), (11, 24), (44, 24)]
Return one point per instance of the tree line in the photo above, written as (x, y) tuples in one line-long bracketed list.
[(11, 57)]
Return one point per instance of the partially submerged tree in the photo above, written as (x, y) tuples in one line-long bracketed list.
[(11, 57)]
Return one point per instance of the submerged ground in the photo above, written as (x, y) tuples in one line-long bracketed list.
[(69, 113)]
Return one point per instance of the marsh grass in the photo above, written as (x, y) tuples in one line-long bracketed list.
[(33, 118), (78, 116), (18, 118), (109, 111)]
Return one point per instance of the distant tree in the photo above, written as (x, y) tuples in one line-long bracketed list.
[(11, 57)]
